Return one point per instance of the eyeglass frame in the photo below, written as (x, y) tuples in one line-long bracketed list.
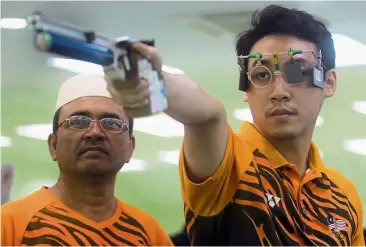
[(124, 126), (272, 73), (258, 56)]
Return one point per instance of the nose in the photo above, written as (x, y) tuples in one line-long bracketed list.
[(280, 89), (95, 133)]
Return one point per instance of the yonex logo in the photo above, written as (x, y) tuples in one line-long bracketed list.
[(272, 200)]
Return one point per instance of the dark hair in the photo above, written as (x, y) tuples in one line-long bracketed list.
[(275, 19), (56, 118)]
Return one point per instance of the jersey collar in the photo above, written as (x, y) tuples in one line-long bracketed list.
[(249, 133)]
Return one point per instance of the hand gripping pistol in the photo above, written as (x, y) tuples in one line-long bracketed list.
[(115, 56)]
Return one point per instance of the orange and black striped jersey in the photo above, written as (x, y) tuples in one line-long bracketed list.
[(256, 197), (42, 219)]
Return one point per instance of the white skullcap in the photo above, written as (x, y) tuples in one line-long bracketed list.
[(82, 85)]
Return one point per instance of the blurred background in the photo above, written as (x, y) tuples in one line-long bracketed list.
[(197, 37)]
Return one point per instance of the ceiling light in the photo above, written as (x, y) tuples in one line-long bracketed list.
[(78, 66), (319, 121), (349, 52), (360, 106), (243, 115), (134, 165), (13, 23), (170, 157), (356, 146), (5, 141), (37, 131), (160, 125), (171, 70)]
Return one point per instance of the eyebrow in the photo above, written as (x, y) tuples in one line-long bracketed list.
[(300, 60), (81, 113), (109, 115), (102, 115), (263, 62)]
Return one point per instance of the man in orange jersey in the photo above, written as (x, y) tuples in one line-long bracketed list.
[(267, 184), (91, 141)]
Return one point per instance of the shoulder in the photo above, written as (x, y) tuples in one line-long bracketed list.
[(21, 206), (147, 224), (15, 215), (339, 179), (345, 185), (139, 215)]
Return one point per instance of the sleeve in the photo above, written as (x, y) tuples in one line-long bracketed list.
[(205, 203), (212, 195), (15, 216)]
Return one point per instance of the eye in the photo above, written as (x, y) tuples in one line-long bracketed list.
[(263, 75), (112, 123), (260, 76), (260, 73), (79, 122), (307, 73)]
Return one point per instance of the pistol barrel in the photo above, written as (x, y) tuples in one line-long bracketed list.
[(70, 41)]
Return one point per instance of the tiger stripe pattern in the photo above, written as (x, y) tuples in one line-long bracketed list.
[(55, 226), (268, 208)]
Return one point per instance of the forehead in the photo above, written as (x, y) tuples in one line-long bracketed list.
[(279, 43), (96, 106)]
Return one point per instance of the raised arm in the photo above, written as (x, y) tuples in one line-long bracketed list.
[(205, 125), (203, 115)]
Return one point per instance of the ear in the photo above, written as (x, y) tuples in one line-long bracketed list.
[(131, 148), (52, 140), (245, 97), (330, 83)]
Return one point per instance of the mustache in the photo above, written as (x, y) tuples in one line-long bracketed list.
[(278, 110)]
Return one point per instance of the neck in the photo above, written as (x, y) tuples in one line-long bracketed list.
[(294, 151), (91, 197)]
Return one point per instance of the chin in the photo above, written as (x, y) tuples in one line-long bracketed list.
[(285, 133), (285, 136), (94, 168)]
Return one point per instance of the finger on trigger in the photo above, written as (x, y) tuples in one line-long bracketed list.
[(144, 50), (150, 53)]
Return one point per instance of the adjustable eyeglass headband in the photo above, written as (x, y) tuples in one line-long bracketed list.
[(292, 69)]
